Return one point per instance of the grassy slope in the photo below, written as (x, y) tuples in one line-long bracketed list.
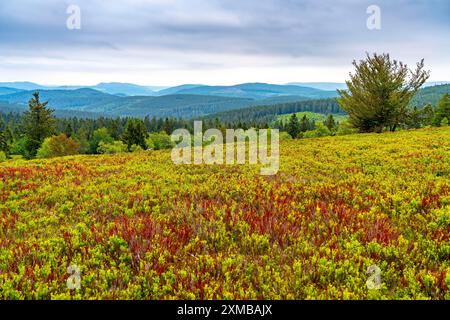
[(140, 227)]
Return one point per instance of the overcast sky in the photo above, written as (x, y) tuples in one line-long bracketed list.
[(171, 42)]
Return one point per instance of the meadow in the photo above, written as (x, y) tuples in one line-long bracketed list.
[(140, 227)]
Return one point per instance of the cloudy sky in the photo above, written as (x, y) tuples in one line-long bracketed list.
[(171, 42)]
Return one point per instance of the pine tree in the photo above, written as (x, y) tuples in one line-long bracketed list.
[(379, 92), (293, 127), (304, 124), (38, 124)]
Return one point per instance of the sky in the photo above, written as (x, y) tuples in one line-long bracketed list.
[(216, 42)]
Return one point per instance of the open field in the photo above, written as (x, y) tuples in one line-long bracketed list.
[(139, 227)]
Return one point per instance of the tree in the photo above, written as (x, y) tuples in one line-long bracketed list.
[(99, 135), (304, 124), (68, 130), (379, 92), (444, 122), (293, 127), (38, 124), (3, 143), (58, 146), (135, 133), (80, 138), (427, 115), (415, 119), (442, 109), (330, 123)]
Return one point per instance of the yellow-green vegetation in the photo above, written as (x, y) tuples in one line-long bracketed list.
[(140, 227)]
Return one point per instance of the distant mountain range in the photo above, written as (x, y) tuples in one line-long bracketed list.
[(246, 90), (186, 101)]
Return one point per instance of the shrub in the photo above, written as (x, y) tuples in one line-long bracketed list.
[(284, 136), (158, 141), (99, 135), (320, 131), (444, 122), (18, 147), (2, 156), (112, 147), (58, 146), (136, 148), (345, 128)]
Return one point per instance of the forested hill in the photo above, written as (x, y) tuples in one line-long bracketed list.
[(92, 103), (268, 113), (430, 95)]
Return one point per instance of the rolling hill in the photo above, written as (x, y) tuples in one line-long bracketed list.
[(127, 89), (99, 103), (430, 95), (6, 90), (258, 91), (62, 99), (178, 105), (257, 101)]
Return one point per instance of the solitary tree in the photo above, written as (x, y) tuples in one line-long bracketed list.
[(293, 127), (329, 122), (379, 92), (38, 124)]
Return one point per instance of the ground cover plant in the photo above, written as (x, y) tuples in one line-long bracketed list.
[(139, 227)]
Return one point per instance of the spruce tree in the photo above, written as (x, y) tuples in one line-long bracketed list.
[(135, 134), (38, 124), (304, 124), (293, 127), (329, 122)]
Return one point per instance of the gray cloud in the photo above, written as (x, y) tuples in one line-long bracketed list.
[(202, 34)]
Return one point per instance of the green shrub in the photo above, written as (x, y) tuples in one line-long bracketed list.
[(2, 156), (112, 147), (158, 141), (320, 131), (100, 135), (136, 148), (58, 146), (345, 128), (284, 136)]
